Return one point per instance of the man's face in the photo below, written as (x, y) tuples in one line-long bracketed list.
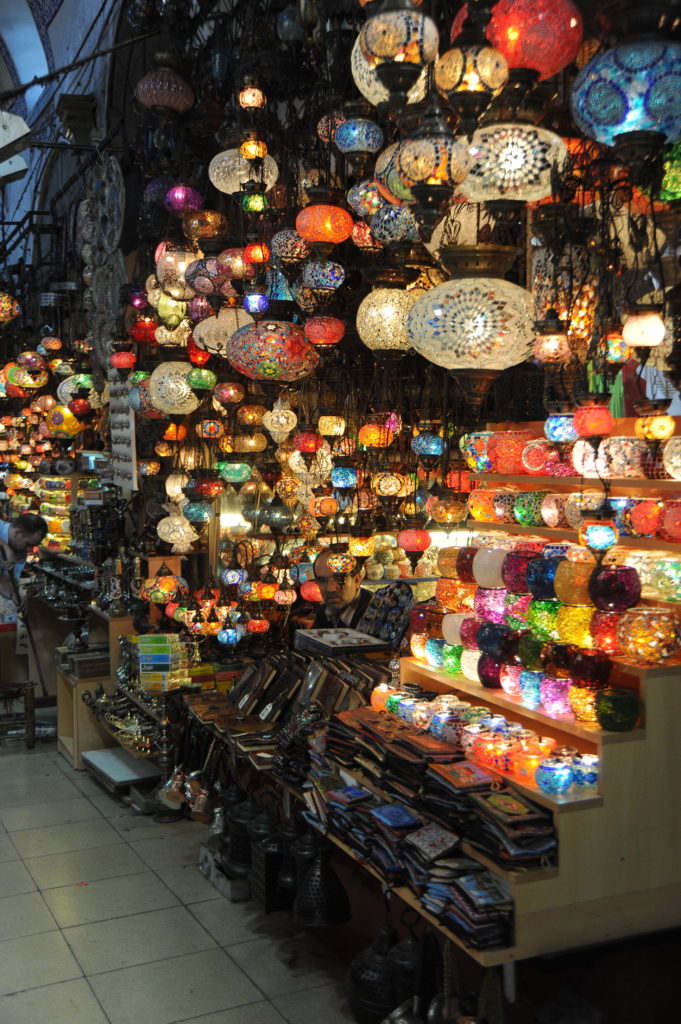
[(338, 591), (22, 542)]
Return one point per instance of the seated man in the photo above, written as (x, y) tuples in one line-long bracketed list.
[(16, 540), (344, 600)]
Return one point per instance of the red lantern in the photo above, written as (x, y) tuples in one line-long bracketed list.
[(197, 356), (308, 443), (324, 330), (257, 626), (310, 591), (592, 418), (321, 222), (144, 330), (543, 35), (413, 540), (209, 488), (122, 360), (256, 252), (79, 407)]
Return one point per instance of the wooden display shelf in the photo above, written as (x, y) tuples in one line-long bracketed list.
[(47, 552), (578, 482), (592, 733), (77, 727), (117, 735), (644, 543)]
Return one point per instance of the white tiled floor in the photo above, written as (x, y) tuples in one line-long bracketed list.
[(104, 917)]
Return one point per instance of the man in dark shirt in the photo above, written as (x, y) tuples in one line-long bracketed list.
[(344, 600)]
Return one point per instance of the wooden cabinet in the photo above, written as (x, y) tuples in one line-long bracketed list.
[(77, 727)]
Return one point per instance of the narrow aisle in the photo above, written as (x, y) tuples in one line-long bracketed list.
[(104, 917)]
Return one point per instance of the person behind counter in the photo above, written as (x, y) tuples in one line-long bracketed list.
[(344, 600), (16, 540)]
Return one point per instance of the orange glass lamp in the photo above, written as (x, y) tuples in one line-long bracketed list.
[(375, 435), (593, 418), (414, 541), (653, 423), (257, 252), (324, 226)]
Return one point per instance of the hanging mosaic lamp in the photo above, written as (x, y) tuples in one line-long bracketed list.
[(631, 88), (229, 171), (163, 89), (470, 75), (213, 333), (398, 41), (271, 350), (644, 326), (382, 320), (9, 308), (366, 78), (543, 36), (169, 390), (513, 161)]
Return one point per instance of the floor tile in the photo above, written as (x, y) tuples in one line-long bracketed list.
[(14, 879), (160, 854), (137, 939), (39, 842), (84, 865), (71, 1002), (174, 990), (326, 1002), (240, 922), (282, 967), (45, 956), (86, 784), (137, 827), (188, 884), (109, 805), (8, 850), (20, 795), (254, 1013), (111, 897), (59, 812), (24, 915)]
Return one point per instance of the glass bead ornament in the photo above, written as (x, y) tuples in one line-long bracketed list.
[(649, 636), (554, 776), (630, 88), (472, 323), (271, 350), (513, 161), (229, 171)]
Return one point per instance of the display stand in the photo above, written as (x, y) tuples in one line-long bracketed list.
[(77, 728)]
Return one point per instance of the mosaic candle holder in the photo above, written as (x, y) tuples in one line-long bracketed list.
[(469, 665), (586, 770), (555, 660), (617, 709), (451, 627), (503, 504), (571, 582), (474, 449), (670, 524), (489, 670), (455, 596), (645, 517), (649, 635), (417, 645), (540, 576), (615, 588), (553, 511), (451, 658), (469, 632), (604, 631), (537, 456), (490, 604), (582, 698), (446, 561), (573, 625), (487, 567), (542, 619), (464, 564), (515, 610), (514, 572), (525, 761), (496, 640), (434, 652), (554, 776), (530, 688), (481, 505), (509, 679), (560, 427), (666, 578), (553, 694), (529, 652), (505, 451), (589, 665), (527, 508)]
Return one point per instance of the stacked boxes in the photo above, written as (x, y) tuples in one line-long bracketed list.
[(163, 662)]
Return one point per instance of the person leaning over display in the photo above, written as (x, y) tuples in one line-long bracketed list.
[(16, 540), (344, 599)]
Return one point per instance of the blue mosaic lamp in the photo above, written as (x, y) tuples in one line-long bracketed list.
[(358, 135), (632, 88)]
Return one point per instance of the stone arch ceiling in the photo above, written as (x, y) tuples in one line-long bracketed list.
[(25, 46)]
